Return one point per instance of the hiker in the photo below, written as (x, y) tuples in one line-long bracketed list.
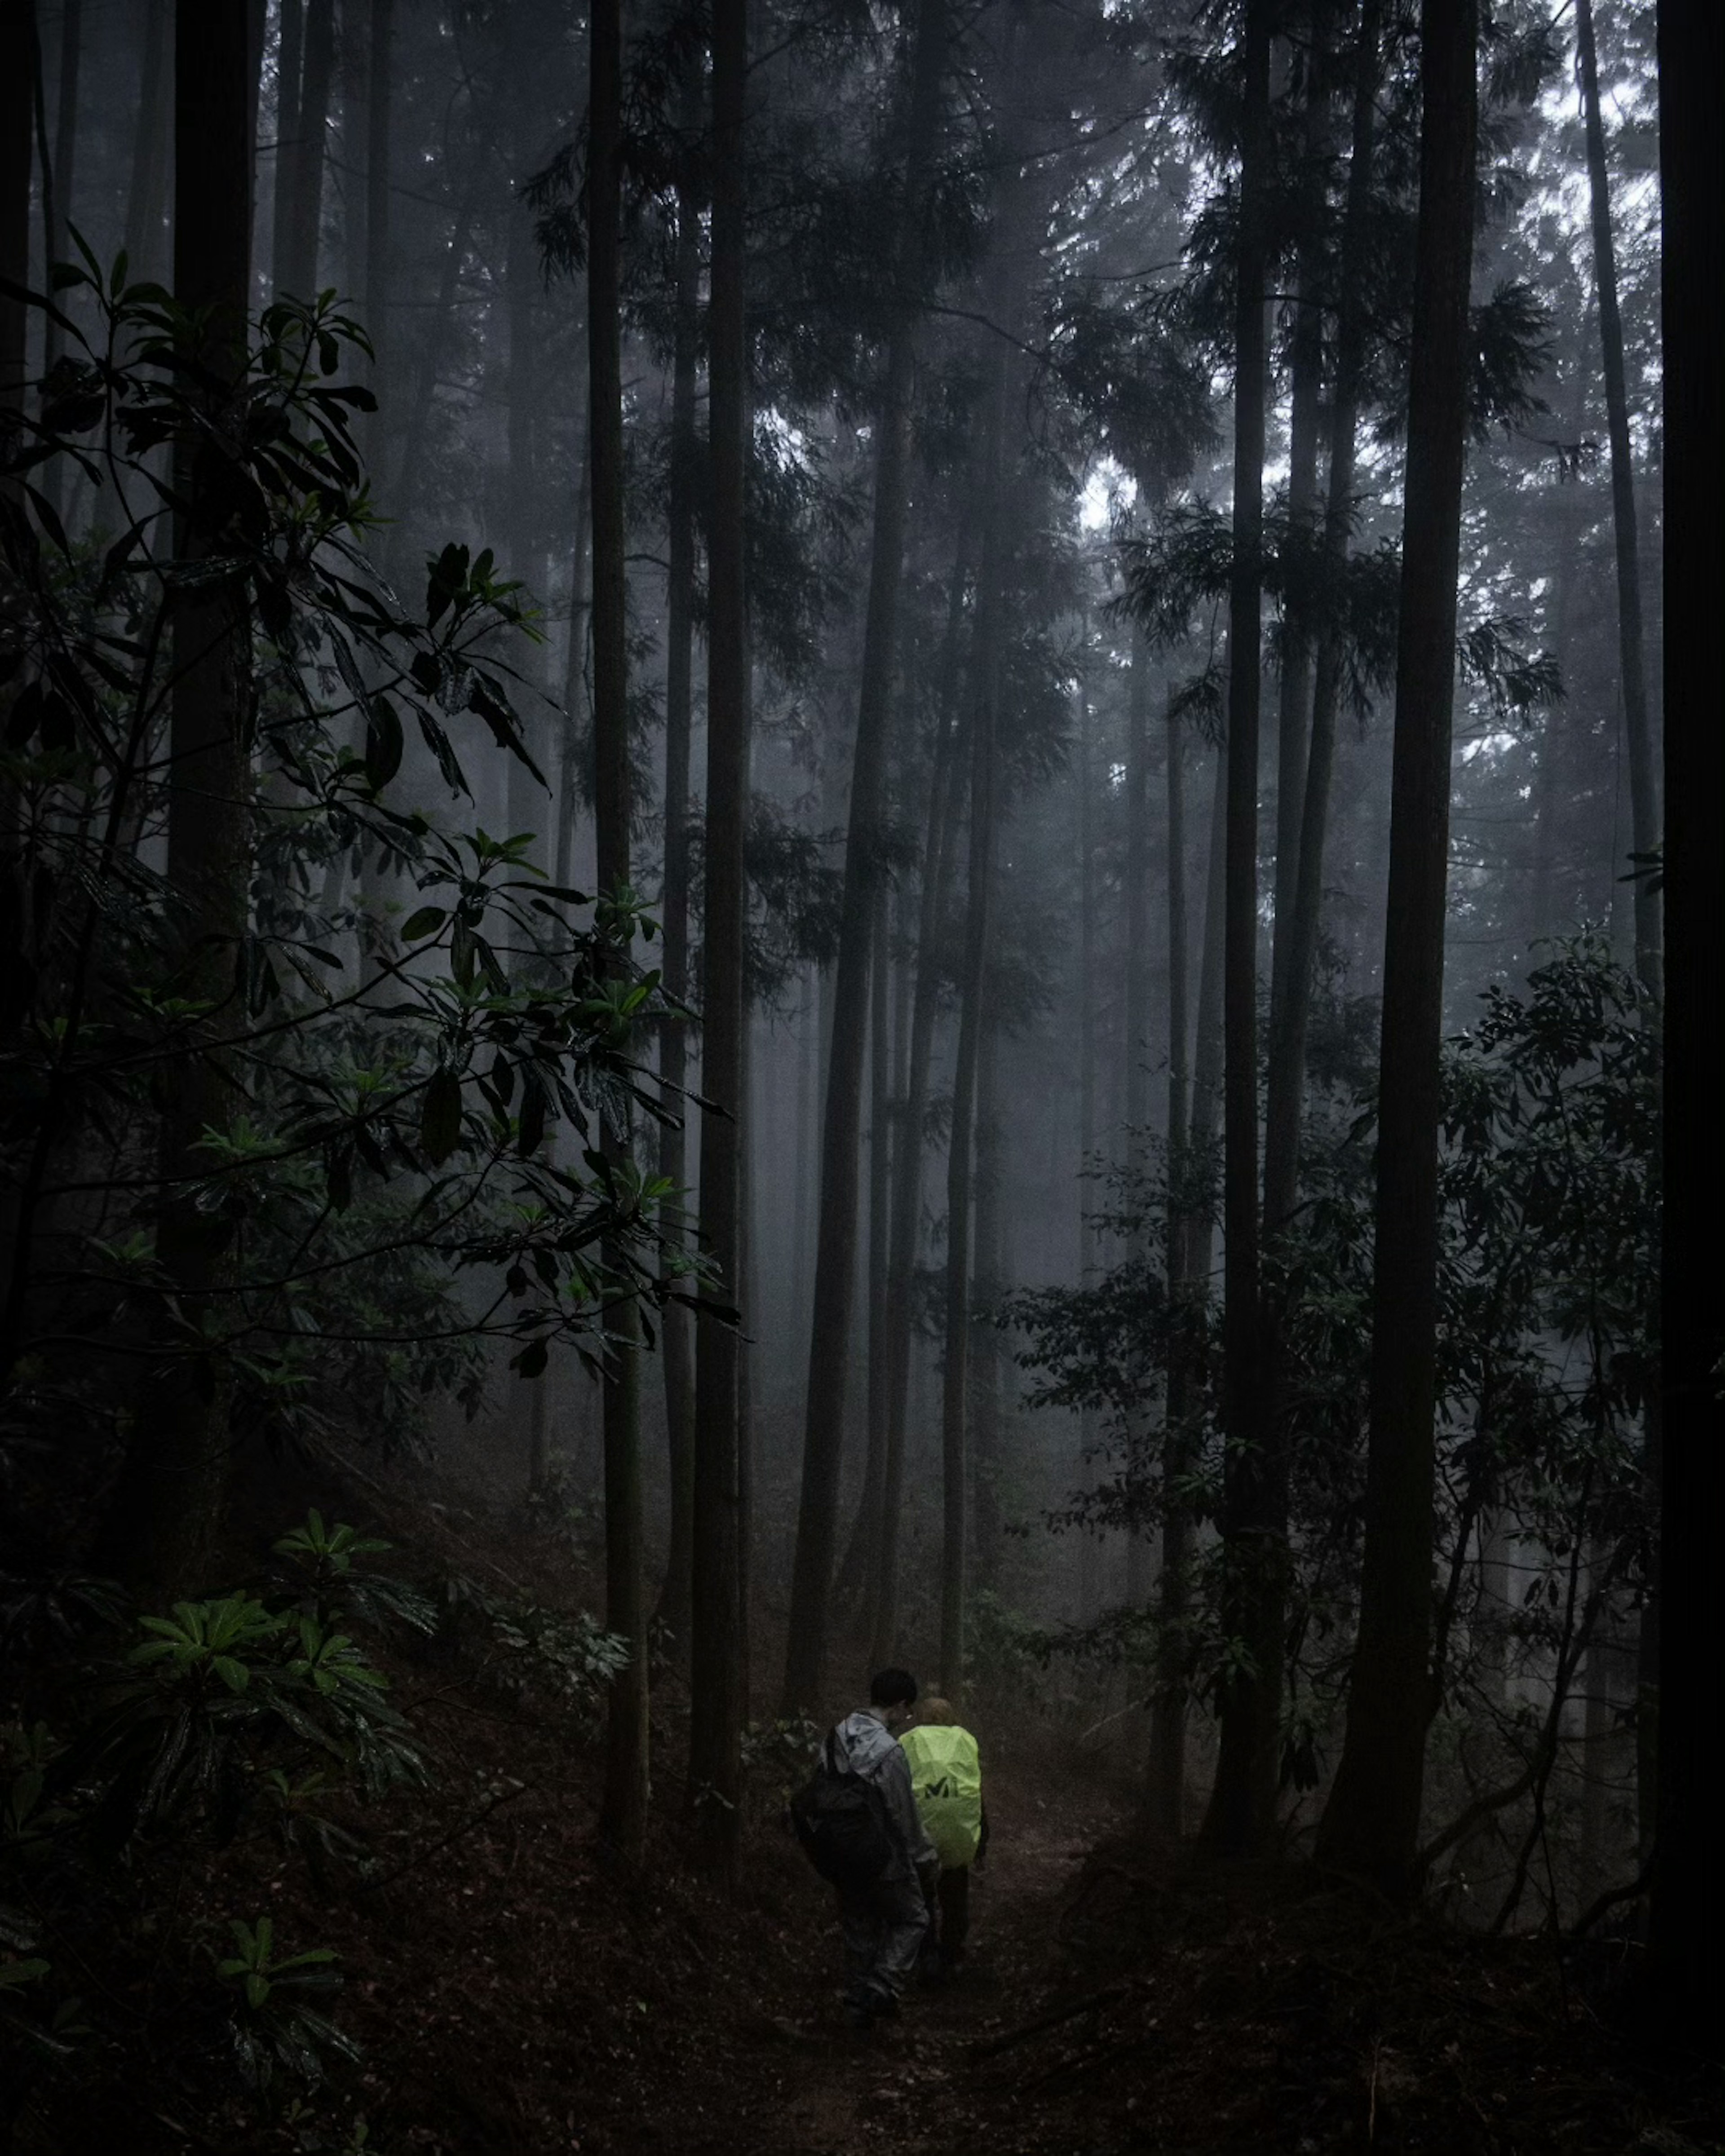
[(945, 1775), (858, 1820)]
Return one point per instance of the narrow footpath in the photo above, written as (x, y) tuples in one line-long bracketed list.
[(910, 2085)]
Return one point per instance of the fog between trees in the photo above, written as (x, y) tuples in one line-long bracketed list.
[(870, 804)]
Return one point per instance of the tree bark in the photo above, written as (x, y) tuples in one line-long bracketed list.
[(1242, 1812), (1306, 395), (622, 1818), (1689, 1885), (1207, 1045), (168, 1503), (1090, 1552), (64, 174), (1632, 664), (290, 65), (861, 1559), (835, 1250), (987, 1430), (676, 1337), (17, 135), (955, 1405), (575, 668), (1165, 1782), (1140, 1546), (296, 267), (940, 842), (1292, 1011), (1371, 1824), (379, 114), (716, 1707)]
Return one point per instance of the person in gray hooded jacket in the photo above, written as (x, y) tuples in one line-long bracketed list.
[(885, 1921)]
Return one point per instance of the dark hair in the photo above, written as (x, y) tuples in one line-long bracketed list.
[(892, 1688)]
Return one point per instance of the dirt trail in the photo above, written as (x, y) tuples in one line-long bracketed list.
[(822, 2090)]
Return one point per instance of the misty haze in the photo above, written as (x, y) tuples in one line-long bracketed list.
[(860, 1127)]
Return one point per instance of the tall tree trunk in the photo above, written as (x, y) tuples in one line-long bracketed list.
[(290, 66), (146, 192), (569, 775), (1371, 1823), (1242, 1805), (17, 135), (676, 1337), (939, 845), (748, 1249), (955, 1405), (379, 114), (1305, 394), (623, 1813), (1140, 1546), (65, 173), (1207, 1033), (808, 1171), (296, 267), (168, 1503), (860, 1562), (1688, 1911), (716, 1707), (528, 806), (1091, 1553), (1293, 1009), (1165, 1782), (1632, 664), (988, 1435), (835, 1252)]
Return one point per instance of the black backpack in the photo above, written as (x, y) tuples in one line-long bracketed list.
[(841, 1819)]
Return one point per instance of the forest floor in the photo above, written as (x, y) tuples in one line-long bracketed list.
[(517, 1992)]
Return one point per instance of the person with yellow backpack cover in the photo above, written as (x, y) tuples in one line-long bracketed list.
[(946, 1779)]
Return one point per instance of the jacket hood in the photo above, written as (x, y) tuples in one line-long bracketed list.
[(862, 1742)]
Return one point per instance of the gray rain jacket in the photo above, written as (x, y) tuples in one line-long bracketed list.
[(863, 1743)]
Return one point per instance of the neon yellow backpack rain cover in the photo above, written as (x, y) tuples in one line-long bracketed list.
[(947, 1778)]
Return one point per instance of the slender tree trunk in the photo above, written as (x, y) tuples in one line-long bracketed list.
[(955, 1405), (379, 112), (1140, 1544), (1371, 1823), (807, 1167), (290, 65), (17, 135), (1688, 1911), (1207, 1047), (1294, 701), (940, 844), (624, 1811), (1549, 768), (569, 774), (527, 805), (296, 269), (861, 1561), (1241, 1815), (716, 1706), (57, 207), (1090, 1555), (835, 1253), (1166, 1781), (676, 1337), (1632, 664), (146, 194), (168, 1503), (1293, 1009), (986, 1449), (749, 1246)]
